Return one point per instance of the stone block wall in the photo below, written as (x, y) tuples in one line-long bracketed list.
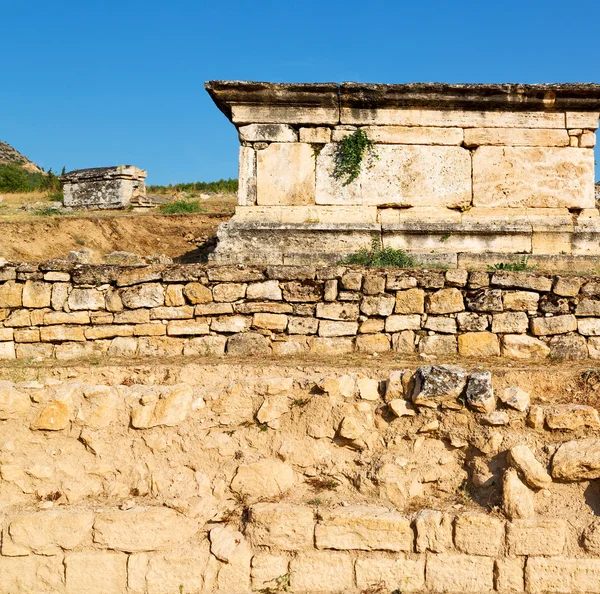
[(434, 480), (59, 310)]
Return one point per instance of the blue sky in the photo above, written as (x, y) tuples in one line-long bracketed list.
[(88, 84)]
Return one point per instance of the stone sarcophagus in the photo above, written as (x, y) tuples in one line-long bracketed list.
[(104, 187), (453, 169)]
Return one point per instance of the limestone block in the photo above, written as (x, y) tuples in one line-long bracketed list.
[(475, 137), (560, 574), (438, 345), (553, 325), (374, 284), (262, 480), (86, 299), (50, 532), (228, 292), (285, 174), (217, 309), (331, 346), (208, 346), (590, 539), (515, 398), (478, 534), (108, 331), (322, 571), (517, 499), (398, 574), (533, 177), (146, 295), (328, 328), (472, 322), (268, 290), (248, 344), (352, 281), (169, 410), (373, 343), (266, 568), (426, 135), (410, 301), (18, 318), (247, 176), (37, 294), (337, 311), (379, 305), (509, 575), (434, 531), (11, 294), (454, 118), (318, 135), (541, 536), (402, 175), (520, 301), (479, 392), (33, 575), (445, 301), (363, 528), (567, 286), (174, 296), (577, 461), (589, 326), (587, 140), (302, 292), (438, 384), (459, 573), (187, 327), (9, 334), (32, 351), (197, 293), (267, 133), (267, 321), (588, 307), (297, 325), (150, 329), (60, 317), (478, 344), (520, 346), (524, 461), (443, 324), (62, 333), (231, 324), (398, 323), (281, 525), (13, 403), (510, 322), (182, 312), (588, 120), (371, 326), (96, 573), (289, 114)]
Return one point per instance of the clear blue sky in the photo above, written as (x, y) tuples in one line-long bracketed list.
[(87, 84)]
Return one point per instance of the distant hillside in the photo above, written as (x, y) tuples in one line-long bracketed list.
[(10, 155)]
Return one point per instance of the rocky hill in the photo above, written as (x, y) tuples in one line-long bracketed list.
[(10, 155)]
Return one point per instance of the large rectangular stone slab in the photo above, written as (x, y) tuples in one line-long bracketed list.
[(516, 137), (533, 177), (559, 574), (283, 114), (400, 175), (247, 176), (285, 174), (416, 135)]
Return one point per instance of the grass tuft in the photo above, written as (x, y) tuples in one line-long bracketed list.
[(181, 207), (377, 257), (520, 265)]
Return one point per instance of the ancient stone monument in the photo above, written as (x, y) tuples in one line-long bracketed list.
[(456, 170), (104, 187)]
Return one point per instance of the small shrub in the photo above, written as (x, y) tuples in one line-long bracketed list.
[(181, 207), (56, 196), (520, 265), (377, 257), (349, 156), (49, 211)]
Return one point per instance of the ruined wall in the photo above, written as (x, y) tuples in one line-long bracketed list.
[(434, 480), (57, 310)]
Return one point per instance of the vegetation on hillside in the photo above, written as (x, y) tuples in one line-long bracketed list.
[(15, 178), (222, 186)]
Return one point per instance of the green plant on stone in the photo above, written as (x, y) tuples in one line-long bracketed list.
[(521, 265), (349, 156), (378, 257), (181, 207)]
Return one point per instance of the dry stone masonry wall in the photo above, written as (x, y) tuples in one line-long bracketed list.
[(458, 169), (60, 310), (434, 480)]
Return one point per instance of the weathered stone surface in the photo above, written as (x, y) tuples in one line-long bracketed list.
[(285, 174), (414, 135), (553, 325), (438, 345), (445, 301), (382, 305), (96, 573), (262, 480), (509, 575), (54, 416), (520, 346), (534, 473), (302, 291), (475, 137), (521, 280), (590, 539), (406, 575), (31, 575), (365, 528), (479, 393), (146, 295), (170, 409), (442, 324), (208, 346), (13, 403), (559, 574), (510, 323), (197, 293), (517, 499), (478, 344), (577, 461), (11, 294), (472, 322), (410, 301), (571, 416), (532, 177), (403, 175), (267, 321), (399, 323), (568, 347), (567, 286), (520, 300), (515, 398), (230, 324), (438, 384), (282, 525), (320, 571), (337, 311), (485, 300), (267, 133), (372, 343), (268, 290), (434, 531), (542, 536), (317, 135), (248, 343), (328, 328), (478, 534), (460, 573), (267, 568)]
